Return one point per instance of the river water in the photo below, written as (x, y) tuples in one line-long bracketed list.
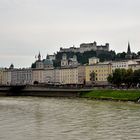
[(36, 118)]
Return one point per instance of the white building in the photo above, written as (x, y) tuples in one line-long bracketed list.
[(21, 76), (69, 62), (38, 76), (93, 60), (64, 61), (6, 77), (48, 76), (57, 76), (124, 64), (1, 74), (134, 67)]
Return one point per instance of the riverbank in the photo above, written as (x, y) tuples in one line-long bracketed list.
[(40, 91), (118, 95), (100, 94)]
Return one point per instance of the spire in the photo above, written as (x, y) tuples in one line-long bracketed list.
[(128, 49), (11, 66), (39, 56), (47, 57), (129, 54)]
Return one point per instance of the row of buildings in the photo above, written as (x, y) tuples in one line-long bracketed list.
[(70, 72)]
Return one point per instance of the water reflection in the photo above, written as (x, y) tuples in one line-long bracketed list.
[(71, 119)]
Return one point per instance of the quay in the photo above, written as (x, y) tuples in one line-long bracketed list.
[(90, 93), (21, 90)]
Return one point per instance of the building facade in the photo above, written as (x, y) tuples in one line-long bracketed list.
[(57, 76), (81, 74), (93, 60), (48, 76), (21, 76), (38, 76), (1, 74), (69, 62), (6, 77), (101, 71), (134, 67), (69, 75), (124, 64)]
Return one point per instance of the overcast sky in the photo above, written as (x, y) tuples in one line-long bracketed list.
[(30, 26)]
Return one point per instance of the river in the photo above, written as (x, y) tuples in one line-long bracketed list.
[(37, 118)]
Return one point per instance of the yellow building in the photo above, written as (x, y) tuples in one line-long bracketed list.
[(69, 75), (81, 74), (101, 71)]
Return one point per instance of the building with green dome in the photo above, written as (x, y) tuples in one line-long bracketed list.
[(42, 64), (48, 64)]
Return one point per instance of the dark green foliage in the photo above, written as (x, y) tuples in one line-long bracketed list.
[(33, 65), (134, 55), (102, 55), (105, 55), (136, 77), (120, 56), (83, 57), (110, 78), (126, 77), (57, 63), (92, 77), (118, 77), (138, 53)]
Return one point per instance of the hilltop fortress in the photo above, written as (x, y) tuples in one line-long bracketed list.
[(86, 47)]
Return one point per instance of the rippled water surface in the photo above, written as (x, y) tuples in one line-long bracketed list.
[(27, 118)]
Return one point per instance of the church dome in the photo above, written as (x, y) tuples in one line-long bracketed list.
[(48, 62)]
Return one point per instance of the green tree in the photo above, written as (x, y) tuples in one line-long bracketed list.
[(110, 78), (118, 77), (136, 77), (129, 78), (92, 77), (138, 53), (120, 56)]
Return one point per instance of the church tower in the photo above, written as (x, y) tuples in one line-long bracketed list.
[(128, 49), (64, 61), (39, 63), (39, 57), (129, 54)]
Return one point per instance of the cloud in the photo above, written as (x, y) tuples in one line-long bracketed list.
[(29, 26)]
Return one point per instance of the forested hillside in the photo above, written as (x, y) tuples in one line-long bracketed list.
[(102, 55)]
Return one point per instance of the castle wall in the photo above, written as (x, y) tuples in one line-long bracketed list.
[(86, 47)]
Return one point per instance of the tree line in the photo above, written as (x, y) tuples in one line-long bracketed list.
[(123, 77)]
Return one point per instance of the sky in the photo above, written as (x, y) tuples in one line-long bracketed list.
[(30, 26)]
